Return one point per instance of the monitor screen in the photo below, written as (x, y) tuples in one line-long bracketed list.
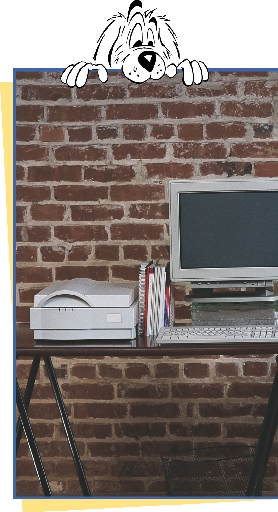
[(224, 231)]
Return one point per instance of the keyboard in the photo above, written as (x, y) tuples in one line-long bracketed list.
[(217, 334)]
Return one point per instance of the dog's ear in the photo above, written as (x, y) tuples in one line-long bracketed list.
[(168, 40), (136, 4), (107, 41)]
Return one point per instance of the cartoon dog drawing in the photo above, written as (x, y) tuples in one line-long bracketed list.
[(143, 44)]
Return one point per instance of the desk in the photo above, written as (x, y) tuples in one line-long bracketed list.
[(26, 347)]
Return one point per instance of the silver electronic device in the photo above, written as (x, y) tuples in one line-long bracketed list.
[(84, 309), (214, 334)]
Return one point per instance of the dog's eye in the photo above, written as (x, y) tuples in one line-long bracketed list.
[(150, 38), (136, 37)]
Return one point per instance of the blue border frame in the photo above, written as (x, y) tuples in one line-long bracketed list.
[(53, 70)]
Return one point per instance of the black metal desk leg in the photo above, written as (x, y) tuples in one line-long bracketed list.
[(27, 396), (269, 427), (65, 420), (32, 442)]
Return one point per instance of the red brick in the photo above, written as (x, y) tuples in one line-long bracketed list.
[(72, 114), (29, 113), (182, 312), (137, 371), (199, 150), (184, 390), (107, 252), (261, 88), (88, 391), (190, 131), (28, 253), (23, 314), (255, 150), (245, 109), (53, 253), (84, 371), (91, 431), (129, 391), (255, 368), (248, 390), (20, 214), (134, 131), (196, 370), (160, 252), (27, 295), (99, 273), (154, 410), (112, 371), (51, 134), (33, 92), (212, 89), (100, 410), (101, 92), (29, 75), (104, 174), (156, 448), (47, 212), (139, 430), (107, 132), (32, 194), (137, 192), (80, 233), (104, 449), (242, 430), (162, 131), (196, 430), (221, 410), (82, 134), (60, 173), (96, 212), (33, 234), (20, 172), (153, 90), (25, 133), (79, 252), (141, 151), (135, 252), (231, 168), (31, 152), (125, 272), (166, 371), (266, 169), (76, 153), (149, 211), (225, 130), (263, 131), (183, 110), (80, 193), (33, 275), (134, 111), (226, 369), (136, 232)]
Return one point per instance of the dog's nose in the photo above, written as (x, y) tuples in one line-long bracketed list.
[(147, 60)]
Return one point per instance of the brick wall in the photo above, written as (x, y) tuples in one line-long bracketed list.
[(92, 184)]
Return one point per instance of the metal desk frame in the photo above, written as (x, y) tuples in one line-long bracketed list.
[(144, 347)]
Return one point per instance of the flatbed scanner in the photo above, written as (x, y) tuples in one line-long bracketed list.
[(84, 309)]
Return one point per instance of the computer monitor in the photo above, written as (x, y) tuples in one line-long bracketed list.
[(224, 232)]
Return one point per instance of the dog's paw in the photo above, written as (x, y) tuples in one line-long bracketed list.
[(194, 72), (77, 74)]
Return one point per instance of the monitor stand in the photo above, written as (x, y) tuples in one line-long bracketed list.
[(220, 305)]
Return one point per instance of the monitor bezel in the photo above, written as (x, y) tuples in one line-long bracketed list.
[(243, 276)]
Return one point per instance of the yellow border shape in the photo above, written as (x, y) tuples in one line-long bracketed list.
[(79, 505), (6, 93)]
